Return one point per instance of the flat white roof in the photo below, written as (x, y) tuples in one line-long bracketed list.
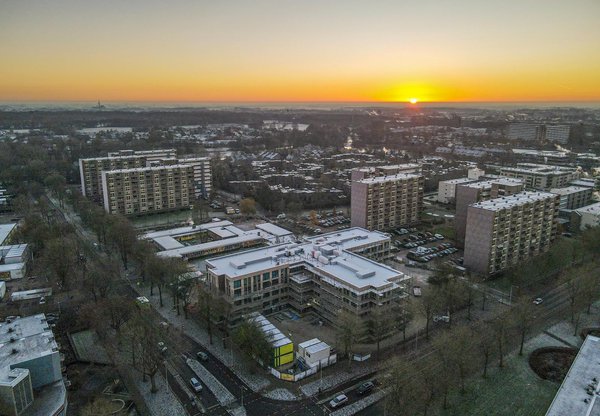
[(350, 239), (389, 178), (182, 251), (330, 260), (570, 399), (5, 230), (458, 180), (569, 190), (31, 338), (273, 229), (179, 231), (593, 209), (514, 200)]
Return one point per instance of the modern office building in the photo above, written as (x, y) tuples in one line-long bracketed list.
[(579, 391), (541, 177), (573, 197), (386, 202), (447, 189), (322, 274), (31, 380), (148, 190), (470, 193), (503, 232)]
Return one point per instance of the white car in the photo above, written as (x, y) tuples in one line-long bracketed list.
[(196, 384), (338, 401), (537, 301)]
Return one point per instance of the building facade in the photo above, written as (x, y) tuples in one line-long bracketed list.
[(573, 197), (447, 189), (541, 177), (386, 202), (503, 232), (470, 193), (30, 369), (148, 190), (322, 274)]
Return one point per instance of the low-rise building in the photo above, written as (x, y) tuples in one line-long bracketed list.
[(586, 217), (578, 393), (322, 274), (447, 189), (31, 380), (541, 177), (573, 197), (503, 232), (282, 348), (6, 233), (13, 261)]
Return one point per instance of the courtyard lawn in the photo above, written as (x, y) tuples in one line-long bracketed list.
[(512, 391)]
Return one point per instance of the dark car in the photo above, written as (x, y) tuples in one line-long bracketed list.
[(365, 387)]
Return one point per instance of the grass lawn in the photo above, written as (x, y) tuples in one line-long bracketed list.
[(447, 230), (512, 391)]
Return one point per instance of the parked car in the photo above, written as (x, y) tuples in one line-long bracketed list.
[(365, 388), (417, 291), (441, 318), (338, 401), (162, 347), (202, 356), (538, 301), (196, 385)]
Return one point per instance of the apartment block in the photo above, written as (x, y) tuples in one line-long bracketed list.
[(385, 170), (30, 369), (322, 274), (573, 197), (148, 190), (586, 217), (386, 202), (557, 133), (524, 131), (503, 232), (541, 177), (470, 193), (447, 189), (90, 170)]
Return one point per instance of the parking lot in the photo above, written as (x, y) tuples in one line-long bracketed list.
[(324, 223)]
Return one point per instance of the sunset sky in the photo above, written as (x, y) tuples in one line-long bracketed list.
[(302, 50)]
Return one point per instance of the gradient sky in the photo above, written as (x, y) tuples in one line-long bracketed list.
[(302, 50)]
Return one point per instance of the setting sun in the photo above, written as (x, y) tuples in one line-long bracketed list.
[(412, 100)]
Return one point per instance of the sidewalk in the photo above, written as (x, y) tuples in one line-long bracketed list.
[(161, 403)]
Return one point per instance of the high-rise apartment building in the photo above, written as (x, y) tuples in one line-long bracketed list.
[(470, 193), (524, 131), (124, 165), (503, 232), (386, 202), (90, 170), (557, 133), (385, 170), (148, 190), (541, 177)]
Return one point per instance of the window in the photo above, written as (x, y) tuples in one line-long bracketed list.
[(266, 276), (275, 273), (237, 283)]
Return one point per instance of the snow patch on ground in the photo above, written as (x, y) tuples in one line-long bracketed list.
[(161, 403), (281, 394), (223, 395)]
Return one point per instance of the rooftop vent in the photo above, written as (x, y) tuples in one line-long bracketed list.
[(14, 351)]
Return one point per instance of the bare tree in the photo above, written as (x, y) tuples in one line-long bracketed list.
[(349, 329), (379, 327), (523, 317), (426, 306), (485, 341)]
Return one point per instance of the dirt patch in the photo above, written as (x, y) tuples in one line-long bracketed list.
[(552, 363)]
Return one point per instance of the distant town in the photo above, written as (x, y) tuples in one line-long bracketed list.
[(393, 260)]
